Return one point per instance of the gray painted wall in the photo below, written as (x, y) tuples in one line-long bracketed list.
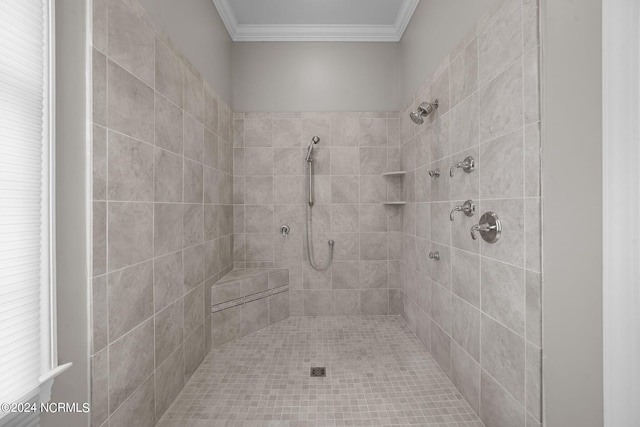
[(195, 28), (572, 256), (71, 213), (286, 76), (434, 30), (281, 76)]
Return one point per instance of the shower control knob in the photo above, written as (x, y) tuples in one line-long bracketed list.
[(489, 227), (467, 207), (434, 173), (468, 165)]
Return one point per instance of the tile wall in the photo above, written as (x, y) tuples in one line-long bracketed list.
[(269, 190), (162, 215), (478, 308)]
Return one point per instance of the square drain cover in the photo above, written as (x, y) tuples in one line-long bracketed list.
[(319, 372)]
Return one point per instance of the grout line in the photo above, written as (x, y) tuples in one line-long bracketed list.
[(524, 220), (153, 246), (107, 122), (480, 256)]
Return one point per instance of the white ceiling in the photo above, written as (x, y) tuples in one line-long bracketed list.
[(316, 20)]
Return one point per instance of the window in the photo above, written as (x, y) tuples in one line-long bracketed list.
[(27, 328)]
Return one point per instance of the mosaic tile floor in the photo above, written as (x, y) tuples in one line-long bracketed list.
[(378, 374)]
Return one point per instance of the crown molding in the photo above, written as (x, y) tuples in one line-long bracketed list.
[(319, 33), (404, 16), (228, 17), (316, 33)]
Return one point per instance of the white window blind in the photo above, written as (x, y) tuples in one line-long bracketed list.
[(25, 244)]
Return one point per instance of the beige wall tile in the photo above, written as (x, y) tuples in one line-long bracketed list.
[(497, 407), (210, 108), (139, 410), (130, 234), (225, 326), (168, 74), (130, 169), (99, 314), (99, 88), (466, 327), (317, 303), (500, 41), (503, 293), (168, 228), (374, 301), (99, 388), (501, 174), (169, 380), (130, 362), (129, 104), (441, 347), (465, 375), (193, 352), (99, 235), (503, 357), (464, 73), (504, 94), (168, 280), (193, 95), (130, 295)]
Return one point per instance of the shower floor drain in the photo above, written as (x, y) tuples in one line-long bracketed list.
[(319, 372)]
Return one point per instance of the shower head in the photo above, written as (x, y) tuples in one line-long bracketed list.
[(423, 110), (314, 141)]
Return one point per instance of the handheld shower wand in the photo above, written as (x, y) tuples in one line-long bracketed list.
[(309, 160), (314, 141), (310, 203)]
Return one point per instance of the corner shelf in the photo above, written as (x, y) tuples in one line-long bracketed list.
[(394, 203), (395, 173)]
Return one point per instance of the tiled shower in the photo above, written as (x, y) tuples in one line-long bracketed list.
[(162, 214), (477, 308), (269, 175), (184, 189)]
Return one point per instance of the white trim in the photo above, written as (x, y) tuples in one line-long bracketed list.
[(228, 17), (621, 212), (48, 308), (404, 16), (46, 381), (316, 33)]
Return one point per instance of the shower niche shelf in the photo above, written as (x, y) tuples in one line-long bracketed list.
[(398, 174)]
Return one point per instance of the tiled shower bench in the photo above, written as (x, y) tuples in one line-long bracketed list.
[(247, 300)]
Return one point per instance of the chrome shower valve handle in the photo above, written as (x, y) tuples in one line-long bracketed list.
[(468, 165), (481, 227), (489, 227), (467, 207)]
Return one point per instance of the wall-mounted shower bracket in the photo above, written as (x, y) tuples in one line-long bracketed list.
[(467, 207), (434, 173), (490, 228), (284, 230), (468, 165), (434, 255)]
